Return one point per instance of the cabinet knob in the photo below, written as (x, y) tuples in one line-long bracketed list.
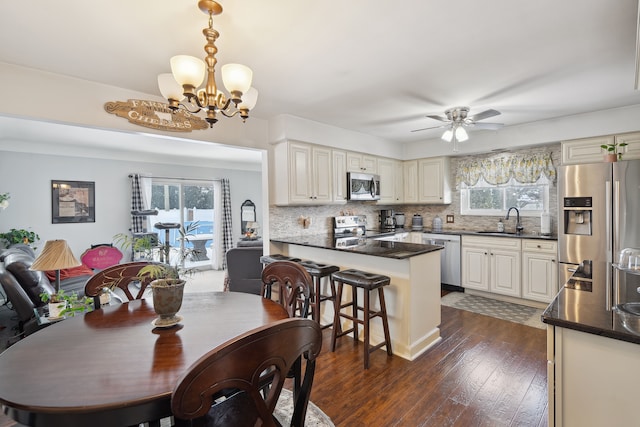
[(553, 260), (486, 253), (539, 247)]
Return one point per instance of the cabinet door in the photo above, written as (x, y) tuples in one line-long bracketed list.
[(539, 276), (358, 162), (398, 181), (475, 268), (433, 181), (300, 173), (388, 170), (339, 172), (586, 150), (505, 272), (410, 169), (322, 177)]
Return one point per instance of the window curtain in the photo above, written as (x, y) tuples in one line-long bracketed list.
[(526, 169), (140, 201), (223, 229)]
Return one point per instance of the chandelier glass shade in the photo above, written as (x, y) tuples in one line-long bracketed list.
[(188, 73)]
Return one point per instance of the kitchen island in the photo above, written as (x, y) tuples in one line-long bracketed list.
[(592, 357), (412, 298)]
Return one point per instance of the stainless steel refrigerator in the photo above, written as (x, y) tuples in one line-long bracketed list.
[(599, 214)]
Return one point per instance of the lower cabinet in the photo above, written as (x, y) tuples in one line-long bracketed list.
[(539, 270), (520, 268), (491, 264)]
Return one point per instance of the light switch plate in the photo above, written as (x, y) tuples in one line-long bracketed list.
[(449, 219)]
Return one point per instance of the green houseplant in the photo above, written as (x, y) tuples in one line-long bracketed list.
[(15, 236), (62, 304), (613, 151)]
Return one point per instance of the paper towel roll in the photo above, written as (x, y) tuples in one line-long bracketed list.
[(545, 224)]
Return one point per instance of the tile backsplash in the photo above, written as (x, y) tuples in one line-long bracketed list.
[(286, 221)]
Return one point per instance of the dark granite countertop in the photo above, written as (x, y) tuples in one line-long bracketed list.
[(377, 233), (397, 250), (582, 305)]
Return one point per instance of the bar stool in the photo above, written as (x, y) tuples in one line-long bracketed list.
[(318, 272), (368, 282), (268, 259)]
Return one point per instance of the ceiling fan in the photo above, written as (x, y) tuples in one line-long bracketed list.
[(457, 119)]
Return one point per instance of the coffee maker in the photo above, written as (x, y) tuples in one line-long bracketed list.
[(387, 220)]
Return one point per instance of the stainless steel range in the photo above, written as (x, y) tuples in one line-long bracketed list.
[(349, 231)]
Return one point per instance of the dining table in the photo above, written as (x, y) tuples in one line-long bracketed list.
[(111, 367)]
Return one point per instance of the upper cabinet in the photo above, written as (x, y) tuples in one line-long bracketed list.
[(434, 185), (339, 174), (410, 174), (391, 181), (358, 162), (587, 150), (302, 174)]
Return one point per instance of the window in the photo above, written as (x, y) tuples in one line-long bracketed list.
[(486, 199)]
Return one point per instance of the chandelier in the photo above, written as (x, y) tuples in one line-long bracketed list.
[(188, 73)]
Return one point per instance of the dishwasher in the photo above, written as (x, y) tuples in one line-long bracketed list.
[(449, 256)]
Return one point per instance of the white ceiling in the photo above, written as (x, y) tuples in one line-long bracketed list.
[(371, 66)]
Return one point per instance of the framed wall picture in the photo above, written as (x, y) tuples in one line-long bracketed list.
[(72, 201)]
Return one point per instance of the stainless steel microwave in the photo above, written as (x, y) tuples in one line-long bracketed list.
[(363, 186)]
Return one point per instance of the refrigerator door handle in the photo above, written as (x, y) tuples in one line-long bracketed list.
[(609, 220)]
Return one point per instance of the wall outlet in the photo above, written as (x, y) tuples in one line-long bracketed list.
[(449, 219)]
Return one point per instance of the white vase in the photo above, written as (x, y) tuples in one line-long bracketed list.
[(55, 308)]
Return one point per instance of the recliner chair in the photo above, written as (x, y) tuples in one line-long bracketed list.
[(244, 270)]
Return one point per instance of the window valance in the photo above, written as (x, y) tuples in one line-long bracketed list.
[(525, 169)]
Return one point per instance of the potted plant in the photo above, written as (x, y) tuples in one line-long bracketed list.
[(61, 304), (15, 236), (613, 152), (168, 282)]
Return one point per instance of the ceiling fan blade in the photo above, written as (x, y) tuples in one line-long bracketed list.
[(484, 115), (440, 118), (432, 127), (489, 126)]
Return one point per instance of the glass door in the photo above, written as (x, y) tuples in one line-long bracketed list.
[(189, 204)]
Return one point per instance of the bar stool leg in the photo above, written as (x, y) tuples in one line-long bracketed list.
[(337, 328), (354, 312), (366, 329), (385, 321)]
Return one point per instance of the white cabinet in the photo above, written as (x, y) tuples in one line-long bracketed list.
[(339, 173), (539, 270), (358, 162), (391, 180), (302, 174), (410, 174), (592, 380), (433, 181), (587, 150), (491, 264)]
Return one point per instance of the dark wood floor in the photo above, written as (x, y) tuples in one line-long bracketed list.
[(485, 372)]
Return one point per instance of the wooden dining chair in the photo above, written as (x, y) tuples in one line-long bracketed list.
[(122, 276), (243, 364), (294, 286)]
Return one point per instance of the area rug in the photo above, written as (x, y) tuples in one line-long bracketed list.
[(517, 313), (284, 410)]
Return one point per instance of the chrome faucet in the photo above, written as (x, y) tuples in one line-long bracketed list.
[(519, 227)]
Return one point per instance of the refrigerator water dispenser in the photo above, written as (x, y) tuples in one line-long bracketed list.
[(577, 219)]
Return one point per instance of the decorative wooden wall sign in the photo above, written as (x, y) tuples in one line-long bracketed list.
[(155, 115)]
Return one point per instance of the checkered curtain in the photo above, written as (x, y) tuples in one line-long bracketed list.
[(137, 204), (140, 200), (227, 230)]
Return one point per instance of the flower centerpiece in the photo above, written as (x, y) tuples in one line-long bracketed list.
[(4, 200), (613, 152), (62, 304)]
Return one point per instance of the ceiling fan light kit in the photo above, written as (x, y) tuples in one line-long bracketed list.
[(457, 119), (188, 73)]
